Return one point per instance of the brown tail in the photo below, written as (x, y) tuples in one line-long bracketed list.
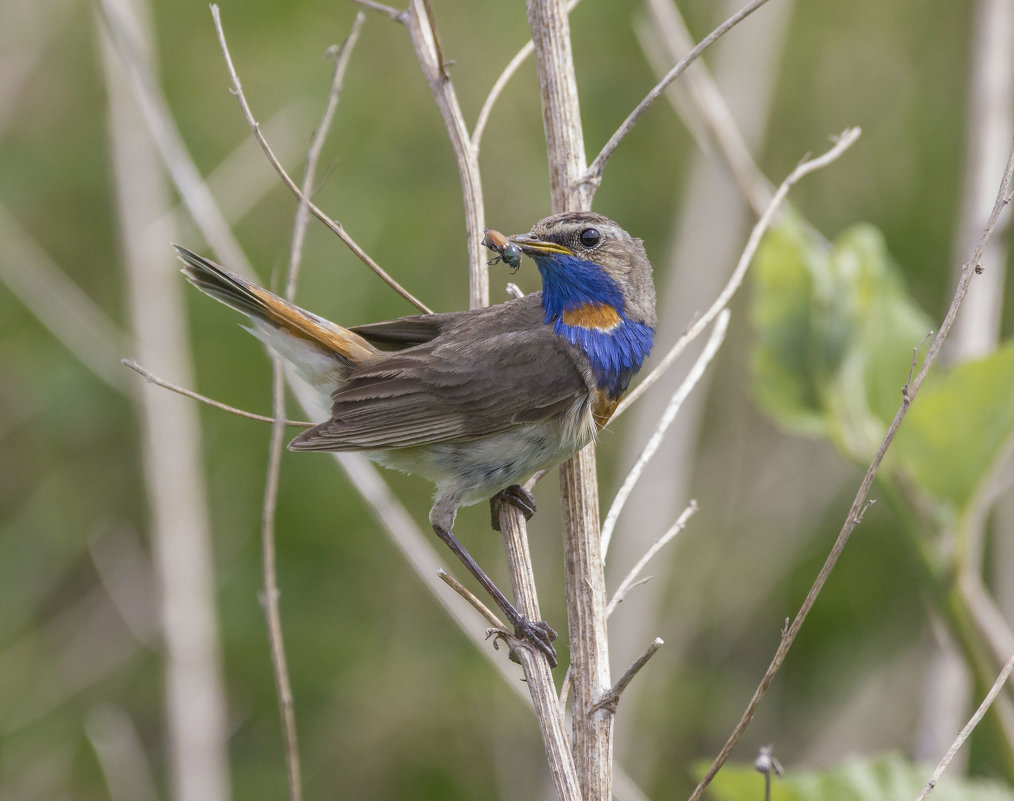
[(266, 307)]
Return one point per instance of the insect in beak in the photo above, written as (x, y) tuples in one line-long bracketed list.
[(506, 251)]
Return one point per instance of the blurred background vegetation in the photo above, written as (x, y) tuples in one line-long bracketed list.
[(391, 699)]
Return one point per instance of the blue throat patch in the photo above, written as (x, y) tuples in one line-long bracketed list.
[(616, 352)]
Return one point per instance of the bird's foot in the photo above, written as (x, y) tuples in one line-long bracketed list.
[(538, 634), (516, 496)]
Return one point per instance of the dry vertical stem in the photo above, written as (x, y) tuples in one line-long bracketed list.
[(583, 566), (170, 434), (548, 709), (422, 30), (501, 82)]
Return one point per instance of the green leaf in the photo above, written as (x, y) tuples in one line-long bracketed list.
[(887, 778), (960, 425), (835, 332)]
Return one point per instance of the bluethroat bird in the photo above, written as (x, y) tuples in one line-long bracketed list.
[(476, 401)]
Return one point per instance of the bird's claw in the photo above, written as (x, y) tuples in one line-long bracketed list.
[(518, 497), (539, 634)]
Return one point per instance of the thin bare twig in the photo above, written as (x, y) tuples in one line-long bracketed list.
[(501, 83), (422, 31), (842, 143), (271, 594), (471, 598), (380, 8), (968, 271), (279, 663), (593, 175), (630, 581), (334, 225), (341, 57), (705, 107), (668, 415), (963, 735), (612, 698), (151, 378)]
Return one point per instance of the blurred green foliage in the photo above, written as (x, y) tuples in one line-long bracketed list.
[(391, 701), (832, 321), (885, 779)]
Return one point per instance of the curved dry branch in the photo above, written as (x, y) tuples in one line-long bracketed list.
[(335, 226), (842, 143), (593, 175), (967, 729), (631, 580), (671, 410), (968, 270)]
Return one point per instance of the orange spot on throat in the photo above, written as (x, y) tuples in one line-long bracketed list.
[(602, 408), (593, 315)]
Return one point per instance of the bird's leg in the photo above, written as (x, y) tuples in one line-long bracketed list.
[(540, 634), (515, 495)]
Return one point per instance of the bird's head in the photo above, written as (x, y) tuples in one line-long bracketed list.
[(597, 294), (587, 260)]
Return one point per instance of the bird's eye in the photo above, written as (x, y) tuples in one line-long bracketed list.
[(590, 237)]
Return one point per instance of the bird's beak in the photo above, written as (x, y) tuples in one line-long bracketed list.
[(533, 246)]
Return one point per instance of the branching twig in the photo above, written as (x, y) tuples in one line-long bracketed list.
[(593, 175), (842, 143), (154, 379), (612, 698), (631, 580), (380, 8), (987, 702), (968, 271), (335, 226), (655, 441)]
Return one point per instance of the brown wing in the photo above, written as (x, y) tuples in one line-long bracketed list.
[(421, 328), (460, 386), (405, 331)]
